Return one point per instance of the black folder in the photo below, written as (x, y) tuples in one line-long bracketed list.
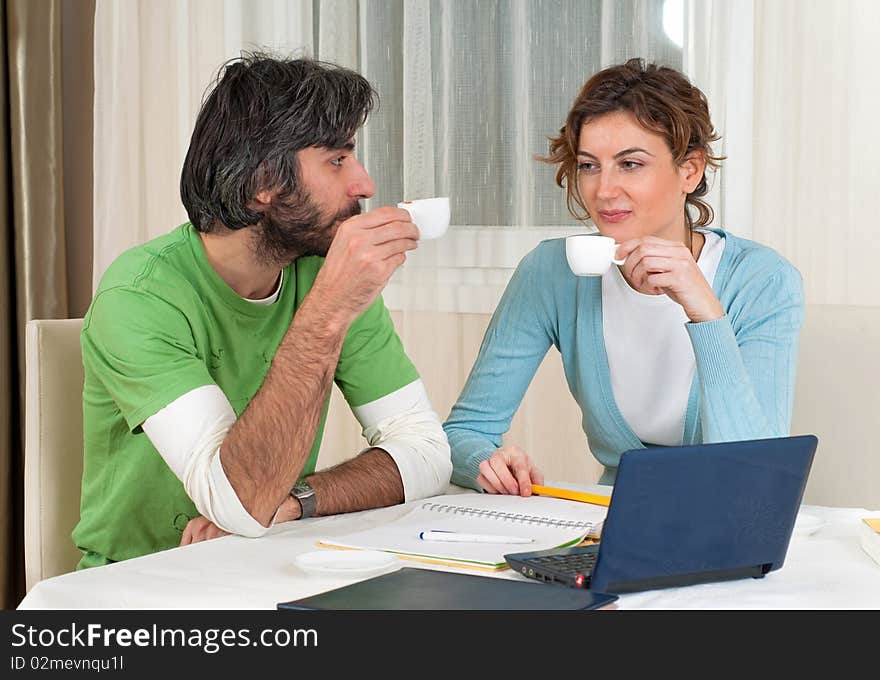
[(411, 589)]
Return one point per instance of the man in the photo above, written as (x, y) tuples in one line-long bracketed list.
[(209, 353)]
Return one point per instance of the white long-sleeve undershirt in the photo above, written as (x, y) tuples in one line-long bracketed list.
[(188, 433)]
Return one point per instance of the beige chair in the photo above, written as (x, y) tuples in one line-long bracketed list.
[(837, 398), (53, 447)]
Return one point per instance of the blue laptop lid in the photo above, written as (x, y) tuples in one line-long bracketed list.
[(692, 514)]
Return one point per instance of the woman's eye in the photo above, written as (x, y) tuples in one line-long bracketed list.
[(631, 165), (338, 161), (586, 167)]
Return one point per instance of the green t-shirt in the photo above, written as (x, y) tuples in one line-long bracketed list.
[(161, 324)]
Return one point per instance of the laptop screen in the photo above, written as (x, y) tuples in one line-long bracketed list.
[(692, 514)]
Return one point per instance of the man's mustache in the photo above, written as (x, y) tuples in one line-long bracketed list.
[(350, 211)]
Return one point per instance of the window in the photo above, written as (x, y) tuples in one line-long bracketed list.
[(471, 90)]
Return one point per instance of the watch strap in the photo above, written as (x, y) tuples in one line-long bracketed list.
[(305, 494)]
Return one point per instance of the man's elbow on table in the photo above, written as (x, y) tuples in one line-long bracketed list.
[(188, 434), (209, 488)]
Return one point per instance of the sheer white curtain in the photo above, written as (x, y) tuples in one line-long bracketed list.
[(798, 108), (469, 91), (153, 61), (472, 91), (815, 145), (475, 89), (719, 59)]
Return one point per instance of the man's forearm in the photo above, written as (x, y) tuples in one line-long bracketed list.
[(371, 480), (267, 447)]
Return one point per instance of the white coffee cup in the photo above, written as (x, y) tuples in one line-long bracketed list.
[(590, 255), (430, 215)]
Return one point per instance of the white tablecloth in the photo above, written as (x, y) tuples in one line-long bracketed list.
[(825, 570)]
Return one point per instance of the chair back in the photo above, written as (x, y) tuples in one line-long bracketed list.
[(53, 459), (837, 398)]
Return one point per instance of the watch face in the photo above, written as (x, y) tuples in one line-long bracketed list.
[(303, 488), (305, 494)]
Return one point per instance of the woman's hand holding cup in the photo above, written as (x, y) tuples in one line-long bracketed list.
[(655, 266)]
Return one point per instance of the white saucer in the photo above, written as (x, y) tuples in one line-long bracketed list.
[(346, 562), (806, 525)]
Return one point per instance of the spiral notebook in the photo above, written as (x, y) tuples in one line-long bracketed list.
[(548, 522)]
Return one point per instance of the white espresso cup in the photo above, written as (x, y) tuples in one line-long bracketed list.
[(590, 255), (430, 215)]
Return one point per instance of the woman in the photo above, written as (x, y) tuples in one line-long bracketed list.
[(693, 339)]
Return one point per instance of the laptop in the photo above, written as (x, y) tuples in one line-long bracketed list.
[(685, 515)]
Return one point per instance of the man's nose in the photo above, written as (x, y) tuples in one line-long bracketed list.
[(360, 184)]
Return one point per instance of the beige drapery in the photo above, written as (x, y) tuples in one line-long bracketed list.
[(33, 282)]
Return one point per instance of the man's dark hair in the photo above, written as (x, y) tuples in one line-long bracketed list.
[(261, 111)]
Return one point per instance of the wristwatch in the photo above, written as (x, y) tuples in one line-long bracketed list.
[(305, 494)]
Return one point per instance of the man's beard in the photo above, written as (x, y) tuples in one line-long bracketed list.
[(295, 227)]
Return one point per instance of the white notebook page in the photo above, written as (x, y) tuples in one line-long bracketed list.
[(549, 522)]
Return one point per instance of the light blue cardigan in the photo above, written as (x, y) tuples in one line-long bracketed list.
[(745, 361)]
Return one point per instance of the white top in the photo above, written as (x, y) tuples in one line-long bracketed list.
[(273, 297), (650, 356)]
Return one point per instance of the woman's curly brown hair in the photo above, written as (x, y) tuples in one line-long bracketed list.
[(663, 101)]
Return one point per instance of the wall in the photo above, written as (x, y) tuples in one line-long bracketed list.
[(547, 425)]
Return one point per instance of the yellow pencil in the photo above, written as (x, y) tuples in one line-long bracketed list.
[(581, 496)]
